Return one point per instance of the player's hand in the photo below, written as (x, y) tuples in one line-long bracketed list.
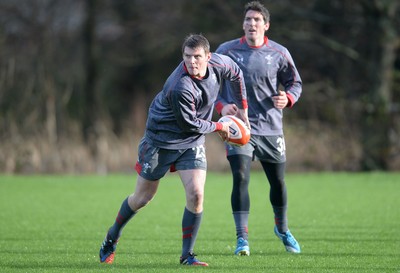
[(280, 101), (242, 114), (224, 133), (229, 109)]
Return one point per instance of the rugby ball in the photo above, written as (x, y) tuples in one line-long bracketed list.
[(239, 133)]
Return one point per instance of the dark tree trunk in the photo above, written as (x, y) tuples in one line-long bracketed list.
[(89, 105), (379, 58)]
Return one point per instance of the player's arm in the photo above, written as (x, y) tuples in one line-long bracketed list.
[(231, 72), (289, 77), (222, 106), (184, 108), (234, 74)]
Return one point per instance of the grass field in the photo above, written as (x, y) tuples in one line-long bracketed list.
[(344, 223)]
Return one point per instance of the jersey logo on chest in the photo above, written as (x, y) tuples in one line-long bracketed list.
[(239, 58), (269, 59)]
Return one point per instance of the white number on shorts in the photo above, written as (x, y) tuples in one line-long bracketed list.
[(281, 145), (200, 152)]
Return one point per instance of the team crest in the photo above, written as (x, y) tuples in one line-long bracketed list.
[(146, 166), (268, 58)]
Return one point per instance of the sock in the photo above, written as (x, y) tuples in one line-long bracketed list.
[(190, 227), (125, 213), (241, 221), (281, 221)]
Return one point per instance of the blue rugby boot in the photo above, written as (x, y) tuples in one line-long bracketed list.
[(242, 247), (288, 240)]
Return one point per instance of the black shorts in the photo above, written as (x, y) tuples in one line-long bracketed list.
[(154, 162), (265, 148)]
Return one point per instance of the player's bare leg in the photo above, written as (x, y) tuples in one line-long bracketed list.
[(144, 192), (193, 182)]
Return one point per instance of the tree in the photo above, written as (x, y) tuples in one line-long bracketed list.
[(379, 56)]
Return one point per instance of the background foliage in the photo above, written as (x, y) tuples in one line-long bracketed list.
[(76, 79)]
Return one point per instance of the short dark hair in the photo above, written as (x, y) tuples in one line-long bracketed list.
[(196, 41), (257, 6)]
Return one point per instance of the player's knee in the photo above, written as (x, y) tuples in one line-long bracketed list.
[(196, 201), (198, 198), (240, 176), (278, 182), (142, 201), (240, 166)]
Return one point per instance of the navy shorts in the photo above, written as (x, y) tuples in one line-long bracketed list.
[(154, 162), (265, 148)]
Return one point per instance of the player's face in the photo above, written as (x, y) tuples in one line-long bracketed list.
[(196, 61), (254, 27)]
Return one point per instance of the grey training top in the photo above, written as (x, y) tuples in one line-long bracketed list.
[(264, 68), (180, 115)]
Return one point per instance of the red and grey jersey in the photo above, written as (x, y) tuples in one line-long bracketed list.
[(180, 115), (264, 68)]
